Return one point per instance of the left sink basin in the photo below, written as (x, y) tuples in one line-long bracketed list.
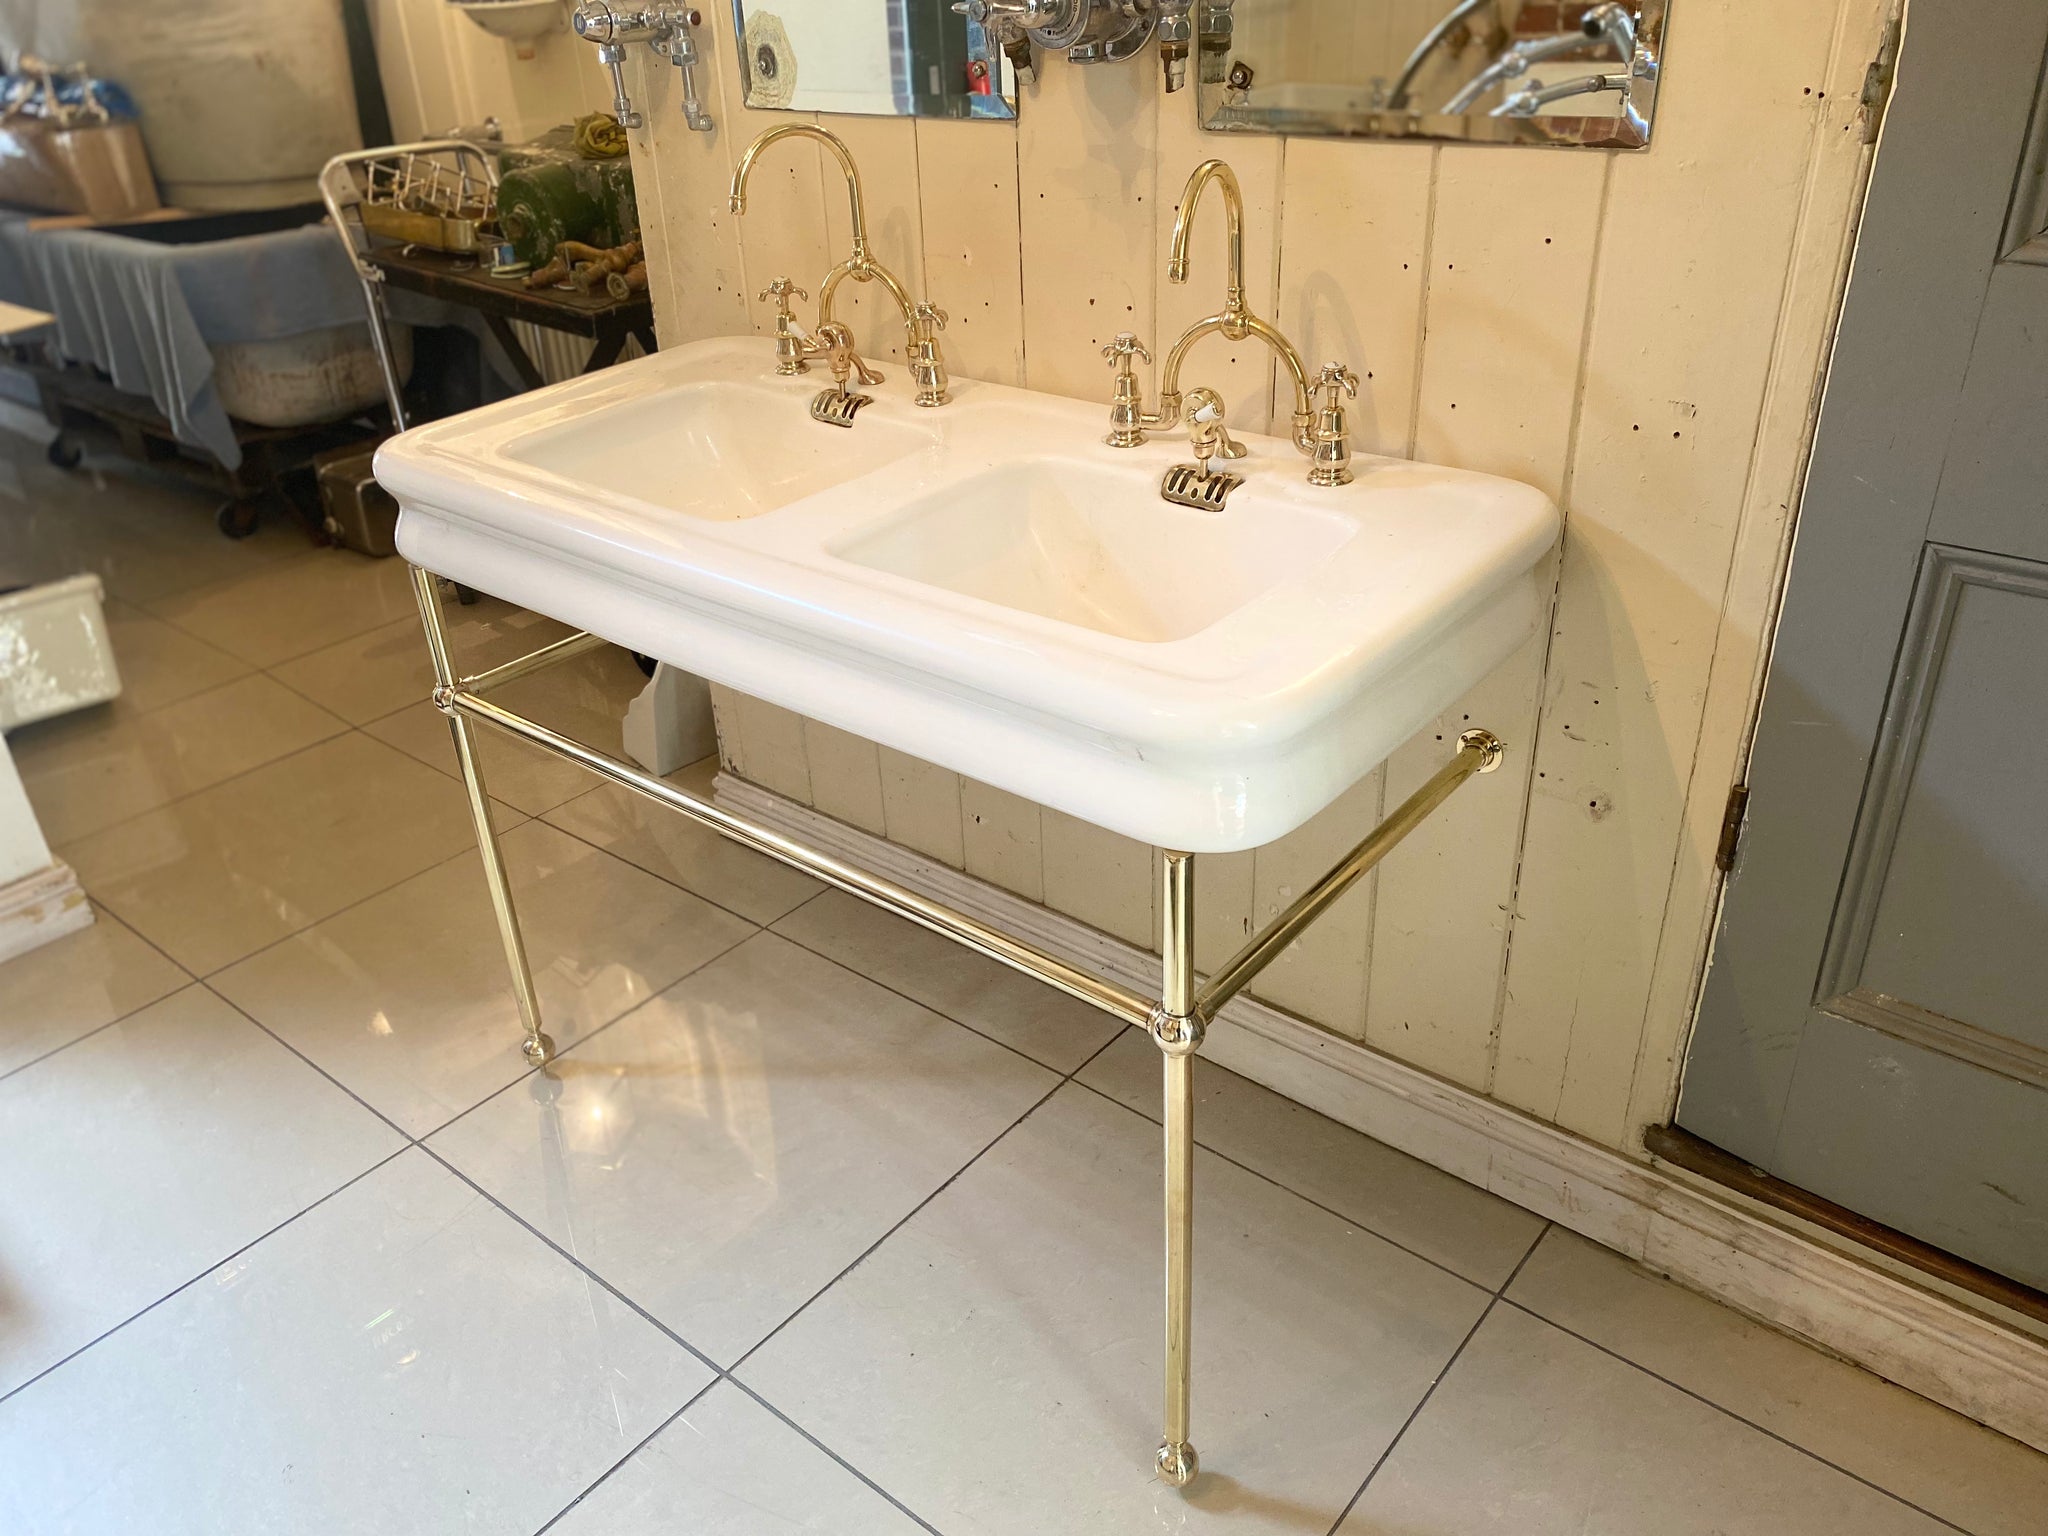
[(722, 451)]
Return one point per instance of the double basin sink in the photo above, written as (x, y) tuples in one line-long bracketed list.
[(987, 585)]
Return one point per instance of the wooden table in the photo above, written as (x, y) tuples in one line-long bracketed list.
[(500, 300)]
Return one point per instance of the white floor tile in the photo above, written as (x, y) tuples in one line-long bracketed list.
[(403, 1359), (983, 994), (678, 849), (52, 995), (90, 769), (996, 1363), (222, 873), (406, 1000), (723, 1152), (1422, 1208), (1927, 1455), (141, 1156), (729, 1467), (1535, 1433)]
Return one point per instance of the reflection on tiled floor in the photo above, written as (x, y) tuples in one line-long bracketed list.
[(817, 1223)]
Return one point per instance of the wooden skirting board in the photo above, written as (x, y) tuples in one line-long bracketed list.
[(1734, 1251), (41, 907)]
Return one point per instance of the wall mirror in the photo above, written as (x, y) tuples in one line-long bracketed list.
[(877, 58), (1485, 71)]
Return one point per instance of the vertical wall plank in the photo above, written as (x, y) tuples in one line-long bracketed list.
[(775, 755), (693, 238), (973, 256), (1441, 925), (1226, 887), (1675, 376), (1087, 150), (1322, 974), (845, 775), (921, 807), (1510, 262), (1352, 273), (1103, 879), (1000, 836)]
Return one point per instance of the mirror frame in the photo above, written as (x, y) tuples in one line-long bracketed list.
[(1630, 130)]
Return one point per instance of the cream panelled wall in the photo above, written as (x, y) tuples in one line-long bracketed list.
[(441, 70), (1639, 335)]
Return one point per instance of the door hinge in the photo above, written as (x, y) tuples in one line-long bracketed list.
[(1731, 828), (1878, 80)]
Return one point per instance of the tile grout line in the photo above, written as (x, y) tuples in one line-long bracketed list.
[(1727, 1412), (719, 1373), (1288, 1189), (109, 915), (210, 1269), (561, 1514), (953, 1178), (1441, 1377)]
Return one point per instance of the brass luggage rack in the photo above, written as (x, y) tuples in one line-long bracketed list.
[(1176, 1020)]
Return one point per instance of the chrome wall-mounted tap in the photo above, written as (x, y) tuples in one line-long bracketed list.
[(1609, 22), (921, 322), (667, 29), (1087, 31), (1129, 421)]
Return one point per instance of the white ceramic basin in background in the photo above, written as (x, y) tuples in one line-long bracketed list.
[(987, 585)]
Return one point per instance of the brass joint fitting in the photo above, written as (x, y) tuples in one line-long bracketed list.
[(1488, 743), (444, 699), (1176, 1034)]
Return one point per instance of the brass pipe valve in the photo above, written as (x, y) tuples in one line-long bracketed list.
[(927, 362), (1127, 407)]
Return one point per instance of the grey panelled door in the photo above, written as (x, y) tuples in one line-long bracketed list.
[(1875, 1024)]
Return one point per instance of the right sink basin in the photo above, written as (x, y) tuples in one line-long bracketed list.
[(1095, 546)]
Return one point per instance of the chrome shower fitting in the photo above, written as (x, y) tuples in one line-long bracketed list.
[(1609, 22), (1087, 31), (667, 29)]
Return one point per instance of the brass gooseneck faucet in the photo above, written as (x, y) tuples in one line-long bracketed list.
[(921, 322), (1129, 421)]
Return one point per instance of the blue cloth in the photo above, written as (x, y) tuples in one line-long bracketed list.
[(147, 313)]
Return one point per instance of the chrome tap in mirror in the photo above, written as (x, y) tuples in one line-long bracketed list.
[(1459, 70), (667, 29), (922, 322)]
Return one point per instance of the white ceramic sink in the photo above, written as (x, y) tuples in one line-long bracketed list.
[(987, 585), (1096, 546)]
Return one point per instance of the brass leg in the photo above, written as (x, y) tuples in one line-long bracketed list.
[(538, 1047), (1178, 1034)]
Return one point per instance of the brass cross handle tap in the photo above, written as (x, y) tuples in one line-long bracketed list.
[(1331, 436), (930, 317), (790, 344), (1127, 407)]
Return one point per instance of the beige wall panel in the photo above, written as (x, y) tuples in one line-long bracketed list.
[(1355, 246), (1510, 261), (1103, 879), (973, 259), (774, 751), (1244, 371), (1675, 378), (1321, 976), (886, 150), (1000, 838), (1087, 165), (921, 807), (693, 237), (725, 720), (1440, 929), (845, 775), (1226, 891)]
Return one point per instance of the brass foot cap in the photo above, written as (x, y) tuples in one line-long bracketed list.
[(539, 1050), (1178, 1463)]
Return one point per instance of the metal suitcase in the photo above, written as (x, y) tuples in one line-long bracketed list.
[(359, 513)]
